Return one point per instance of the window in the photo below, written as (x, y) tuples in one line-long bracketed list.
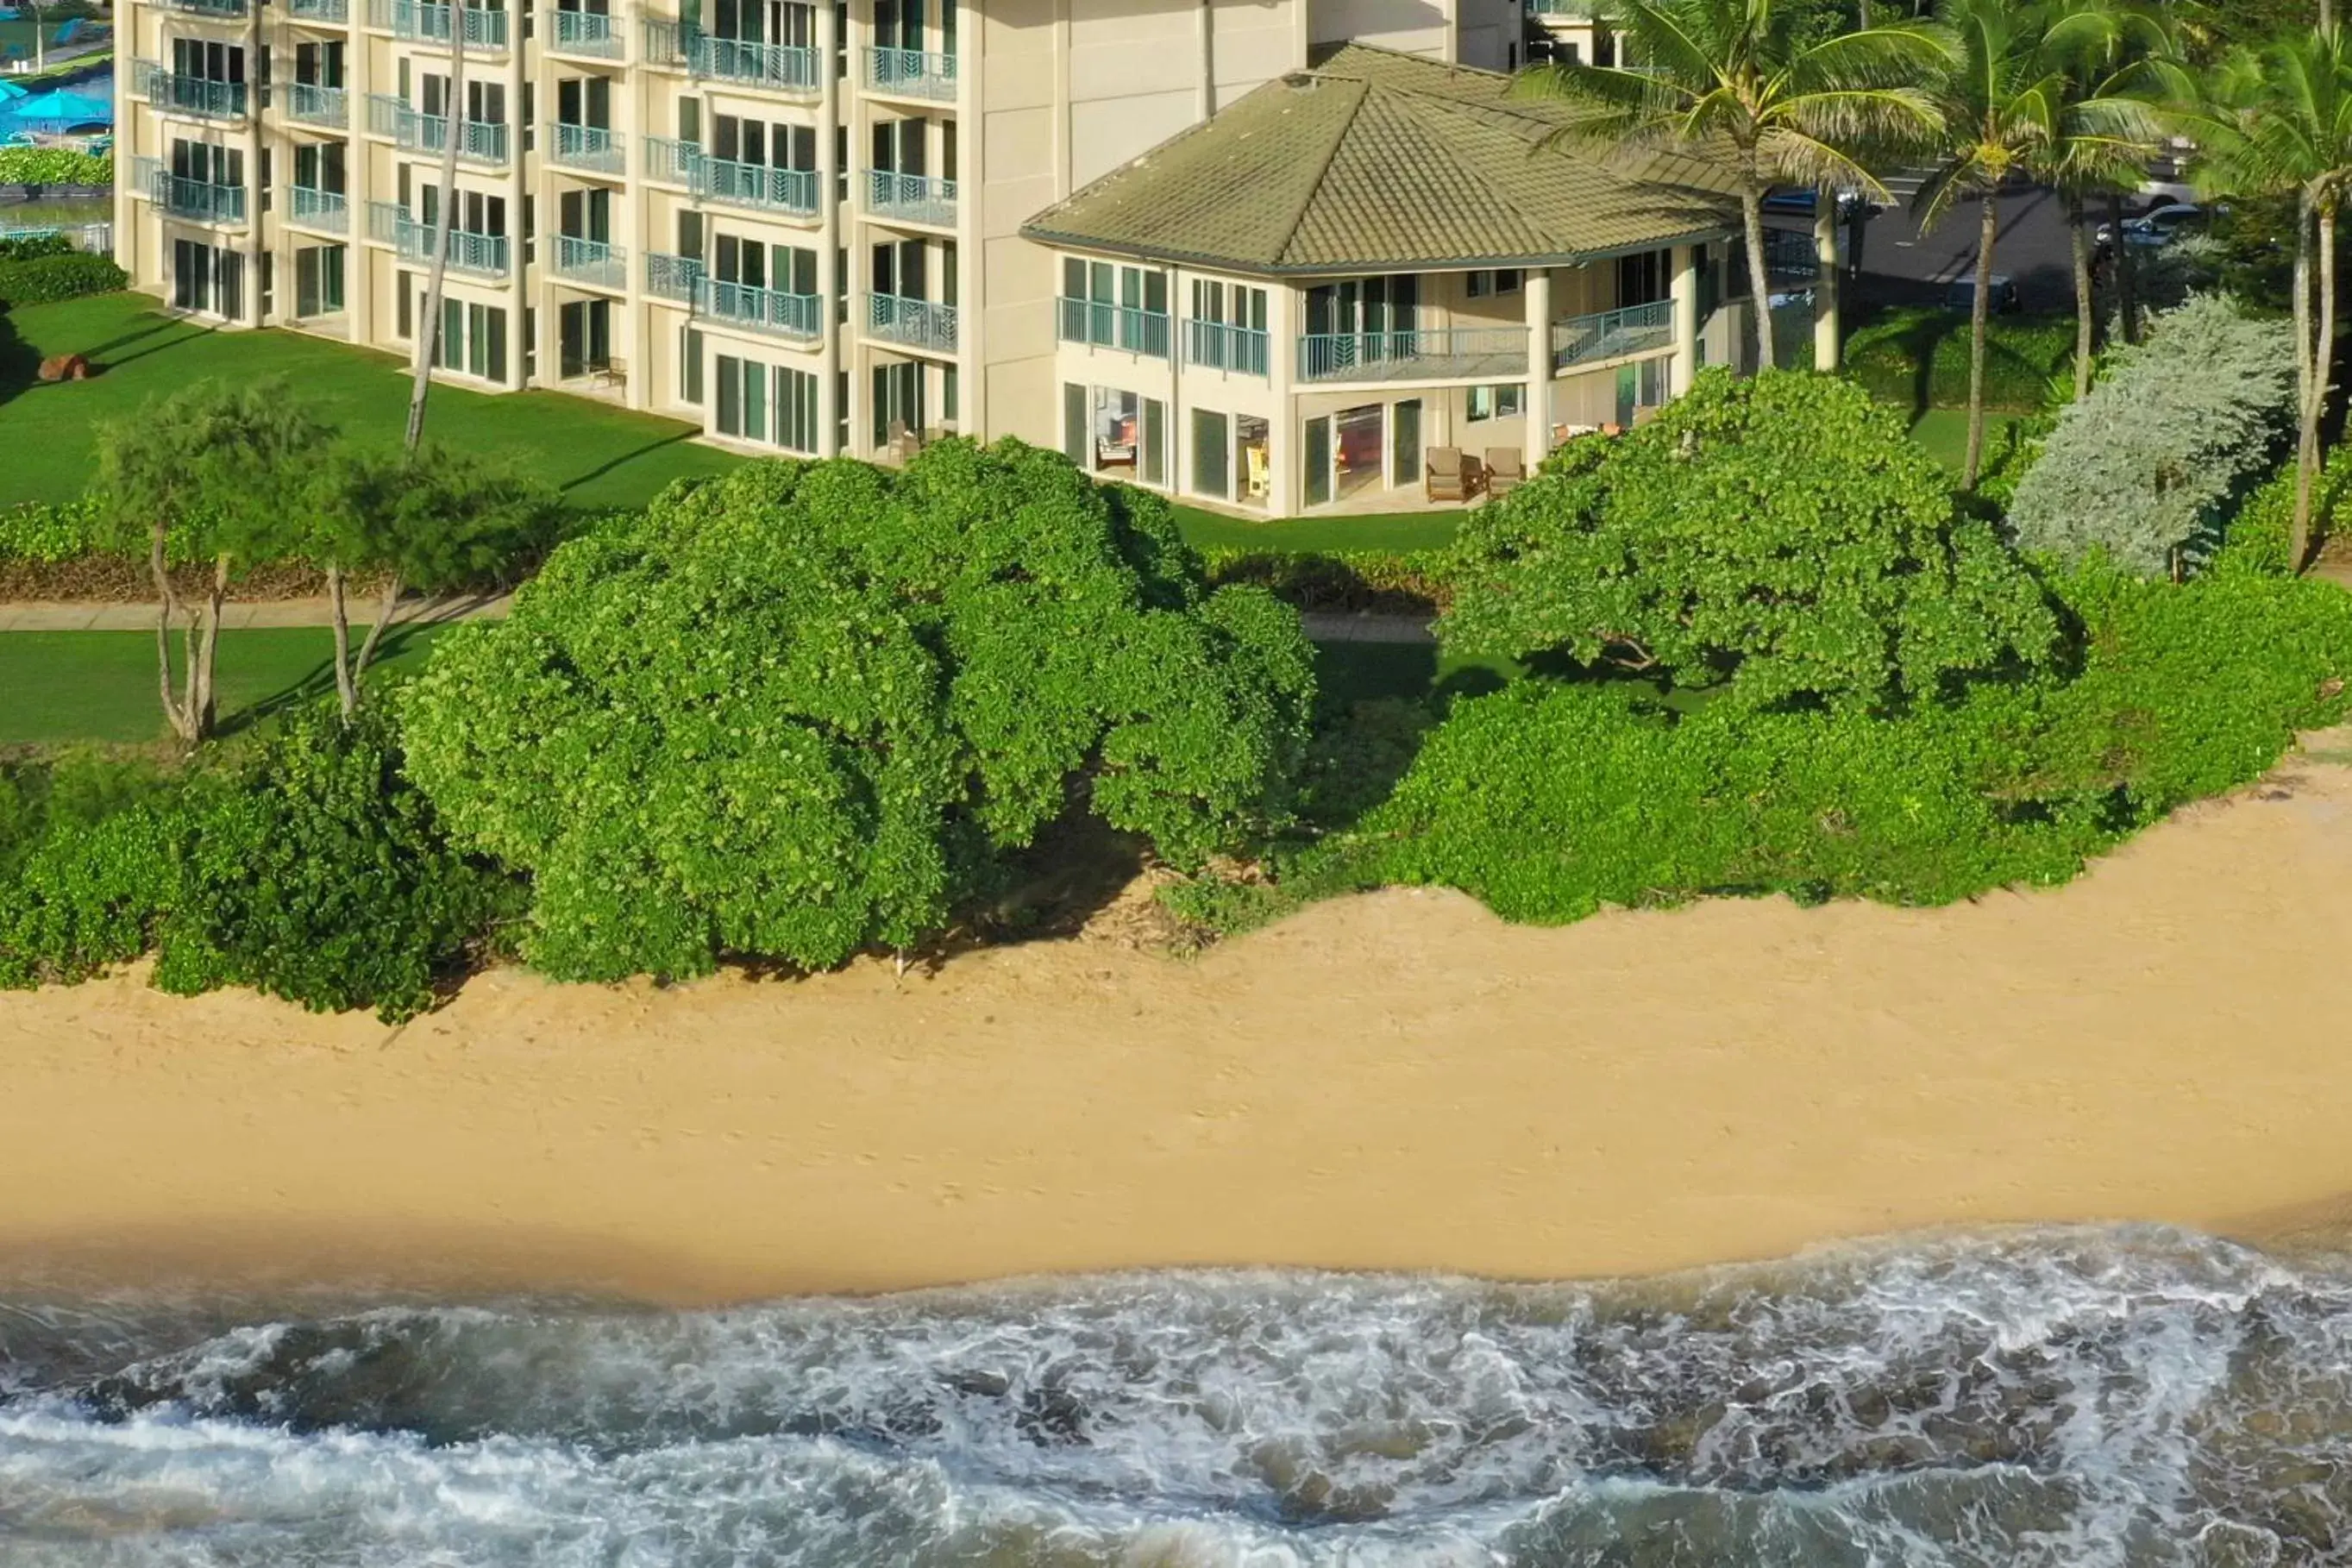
[(473, 339), (1074, 423), (1212, 468), (1506, 401), (689, 366), (1500, 281), (207, 279), (318, 281), (742, 398), (796, 410)]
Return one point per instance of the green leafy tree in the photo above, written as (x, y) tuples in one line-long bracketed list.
[(429, 519), (211, 473), (1781, 537), (1788, 99), (806, 709)]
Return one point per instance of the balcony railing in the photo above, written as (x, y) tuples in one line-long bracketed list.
[(325, 13), (1564, 10), (783, 68), (314, 208), (426, 22), (590, 147), (665, 43), (229, 10), (1613, 334), (200, 201), (667, 158), (671, 277), (910, 198), (916, 324), (911, 73), (1109, 326), (1459, 354), (579, 260), (312, 104), (482, 254), (1217, 345), (762, 310), (753, 185), (595, 34), (479, 141), (197, 95)]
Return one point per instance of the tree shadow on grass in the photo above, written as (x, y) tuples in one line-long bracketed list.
[(317, 682), (610, 464)]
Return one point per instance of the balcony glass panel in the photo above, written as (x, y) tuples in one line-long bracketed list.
[(426, 22), (1613, 334), (191, 94), (200, 201), (586, 147), (764, 309), (910, 198), (1461, 353), (329, 12), (911, 73), (482, 254), (582, 260), (916, 324), (314, 105), (782, 67), (319, 209), (755, 184), (1109, 326), (672, 276), (592, 32), (1216, 345)]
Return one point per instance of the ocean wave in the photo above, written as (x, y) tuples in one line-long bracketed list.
[(2077, 1397)]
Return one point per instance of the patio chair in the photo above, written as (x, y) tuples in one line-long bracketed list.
[(1451, 475), (1506, 466), (1260, 480)]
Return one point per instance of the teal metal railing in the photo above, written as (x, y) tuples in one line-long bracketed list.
[(911, 73), (316, 208), (482, 254), (916, 323), (1109, 326), (910, 198), (1443, 354), (594, 32), (1613, 334), (1218, 345), (315, 105), (763, 310), (582, 260), (590, 147), (197, 95)]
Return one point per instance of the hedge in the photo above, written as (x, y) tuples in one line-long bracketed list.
[(54, 166), (1919, 357), (47, 279), (31, 246), (1402, 582)]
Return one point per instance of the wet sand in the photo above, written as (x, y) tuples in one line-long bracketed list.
[(1394, 1081)]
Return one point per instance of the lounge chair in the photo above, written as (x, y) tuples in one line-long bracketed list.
[(1451, 475), (1506, 466)]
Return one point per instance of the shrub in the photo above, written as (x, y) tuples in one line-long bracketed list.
[(1918, 358), (87, 892), (1782, 534), (51, 277), (805, 708), (33, 246), (1351, 581), (2259, 538), (54, 166), (2144, 467), (50, 532)]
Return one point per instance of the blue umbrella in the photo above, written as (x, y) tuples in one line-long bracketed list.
[(60, 110)]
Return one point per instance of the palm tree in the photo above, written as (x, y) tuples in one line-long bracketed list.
[(2001, 109), (453, 126), (2277, 120), (1760, 80)]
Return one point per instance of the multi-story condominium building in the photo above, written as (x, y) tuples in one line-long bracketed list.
[(828, 229)]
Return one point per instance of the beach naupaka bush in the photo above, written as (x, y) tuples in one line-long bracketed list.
[(802, 710)]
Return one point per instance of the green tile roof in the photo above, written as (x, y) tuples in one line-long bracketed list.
[(1375, 161)]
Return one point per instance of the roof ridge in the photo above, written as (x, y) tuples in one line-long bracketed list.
[(1289, 230)]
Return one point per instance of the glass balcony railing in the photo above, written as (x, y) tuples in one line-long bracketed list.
[(910, 198), (590, 147), (1461, 352), (479, 141), (582, 260), (1613, 334), (226, 10), (321, 13), (762, 310), (314, 208), (915, 323), (1109, 326), (196, 95), (911, 73), (484, 255), (597, 34), (671, 277), (782, 68), (1565, 10), (669, 159), (1219, 346), (756, 186), (313, 104), (664, 43), (426, 22), (199, 201)]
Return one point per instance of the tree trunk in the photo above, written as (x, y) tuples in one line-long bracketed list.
[(2085, 305), (452, 121), (346, 689), (375, 633), (2307, 455), (2306, 377), (200, 667), (1751, 217), (1979, 319), (167, 609), (1827, 344), (2127, 280)]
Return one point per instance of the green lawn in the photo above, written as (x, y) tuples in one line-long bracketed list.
[(101, 686), (597, 455), (1945, 432), (1383, 530)]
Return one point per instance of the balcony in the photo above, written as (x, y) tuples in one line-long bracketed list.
[(1109, 326), (779, 68), (800, 316), (320, 12), (580, 260), (910, 198), (479, 141), (1564, 10), (1464, 353), (483, 255), (589, 148), (665, 43), (423, 22), (1613, 334), (1216, 345), (671, 277), (755, 185), (670, 160), (914, 323), (311, 104), (198, 201), (219, 10), (197, 95), (309, 208), (911, 73), (592, 34)]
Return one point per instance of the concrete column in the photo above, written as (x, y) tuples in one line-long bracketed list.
[(258, 244), (1825, 281), (359, 183), (129, 119), (1537, 289), (1286, 443), (521, 187), (854, 236), (830, 284), (972, 236), (1686, 297)]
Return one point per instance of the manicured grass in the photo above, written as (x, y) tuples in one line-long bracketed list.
[(101, 686), (598, 455), (1348, 672), (1384, 530), (1945, 432)]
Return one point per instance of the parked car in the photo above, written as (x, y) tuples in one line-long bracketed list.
[(1800, 199), (1962, 293), (2157, 225)]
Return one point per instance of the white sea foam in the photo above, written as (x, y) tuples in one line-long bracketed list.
[(2074, 1398)]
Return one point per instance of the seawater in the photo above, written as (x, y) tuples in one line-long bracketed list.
[(2075, 1397)]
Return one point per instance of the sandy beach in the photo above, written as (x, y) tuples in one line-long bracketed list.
[(1393, 1081)]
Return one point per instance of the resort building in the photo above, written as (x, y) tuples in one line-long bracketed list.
[(847, 228)]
